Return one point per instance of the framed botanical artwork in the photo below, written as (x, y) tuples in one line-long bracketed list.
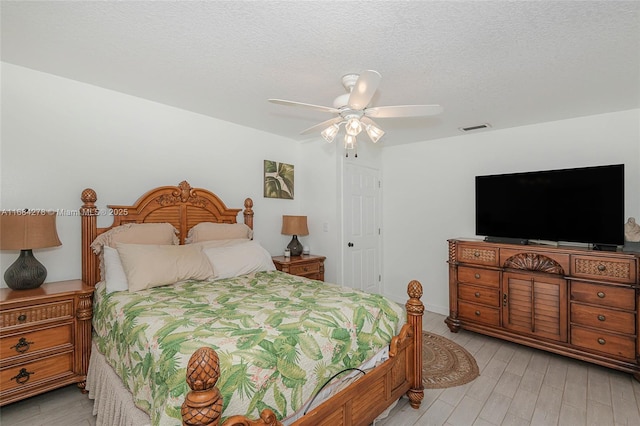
[(278, 180)]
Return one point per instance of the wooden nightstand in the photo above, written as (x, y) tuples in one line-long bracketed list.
[(307, 265), (45, 338)]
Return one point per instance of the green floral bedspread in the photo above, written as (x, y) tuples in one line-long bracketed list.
[(279, 339)]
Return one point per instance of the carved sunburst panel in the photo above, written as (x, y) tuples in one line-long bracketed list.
[(534, 262)]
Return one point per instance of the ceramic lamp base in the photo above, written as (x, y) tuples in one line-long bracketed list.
[(25, 273), (295, 247)]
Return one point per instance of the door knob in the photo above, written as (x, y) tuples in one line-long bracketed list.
[(350, 244)]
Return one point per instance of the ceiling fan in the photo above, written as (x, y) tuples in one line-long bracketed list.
[(354, 112)]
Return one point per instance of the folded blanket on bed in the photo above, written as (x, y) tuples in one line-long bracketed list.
[(279, 339)]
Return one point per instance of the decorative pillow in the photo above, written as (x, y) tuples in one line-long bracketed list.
[(220, 243), (114, 275), (239, 259), (206, 231), (149, 266), (136, 233)]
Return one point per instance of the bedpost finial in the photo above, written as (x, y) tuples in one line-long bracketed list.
[(89, 196), (414, 289), (203, 369), (203, 404), (414, 305), (248, 203)]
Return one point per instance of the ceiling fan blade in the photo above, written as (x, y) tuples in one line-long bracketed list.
[(403, 111), (321, 126), (364, 89), (367, 120), (300, 104)]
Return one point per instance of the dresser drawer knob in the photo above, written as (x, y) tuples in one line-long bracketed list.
[(601, 294), (477, 294), (22, 346), (601, 268), (601, 341), (477, 276), (22, 377), (306, 268), (601, 318), (476, 253), (22, 317), (478, 313)]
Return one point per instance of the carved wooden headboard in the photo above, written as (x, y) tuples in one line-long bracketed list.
[(182, 206)]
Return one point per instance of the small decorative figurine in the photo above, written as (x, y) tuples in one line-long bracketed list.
[(632, 230)]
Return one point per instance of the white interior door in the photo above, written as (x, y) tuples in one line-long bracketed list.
[(362, 233)]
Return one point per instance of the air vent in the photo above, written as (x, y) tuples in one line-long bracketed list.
[(472, 128)]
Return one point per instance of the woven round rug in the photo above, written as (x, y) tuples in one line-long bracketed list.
[(445, 363)]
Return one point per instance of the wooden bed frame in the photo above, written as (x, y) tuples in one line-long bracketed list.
[(358, 404)]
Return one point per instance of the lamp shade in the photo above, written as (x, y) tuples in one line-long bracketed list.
[(294, 225), (28, 231)]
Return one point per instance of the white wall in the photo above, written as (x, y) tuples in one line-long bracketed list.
[(429, 187), (60, 136)]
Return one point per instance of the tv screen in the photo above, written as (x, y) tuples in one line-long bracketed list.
[(583, 205)]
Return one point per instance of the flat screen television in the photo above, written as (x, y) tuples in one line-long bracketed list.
[(584, 205)]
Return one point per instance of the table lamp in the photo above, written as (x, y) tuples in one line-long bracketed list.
[(294, 225), (26, 231)]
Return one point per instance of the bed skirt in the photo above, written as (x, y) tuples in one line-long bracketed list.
[(113, 403)]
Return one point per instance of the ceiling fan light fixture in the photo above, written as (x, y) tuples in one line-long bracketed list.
[(349, 141), (375, 133), (353, 126), (329, 134)]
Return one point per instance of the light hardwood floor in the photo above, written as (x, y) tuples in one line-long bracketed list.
[(517, 386)]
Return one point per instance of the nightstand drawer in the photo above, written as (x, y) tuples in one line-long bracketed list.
[(482, 295), (29, 315), (603, 318), (599, 341), (311, 268), (611, 269), (34, 341), (23, 375), (479, 276)]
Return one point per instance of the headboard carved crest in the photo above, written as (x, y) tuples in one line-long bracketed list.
[(183, 193), (534, 262)]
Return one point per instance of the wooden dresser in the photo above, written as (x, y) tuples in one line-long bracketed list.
[(307, 265), (572, 301), (45, 338)]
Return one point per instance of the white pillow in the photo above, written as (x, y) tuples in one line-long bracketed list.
[(149, 266), (239, 259), (115, 277)]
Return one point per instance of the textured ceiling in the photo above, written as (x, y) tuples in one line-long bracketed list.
[(507, 63)]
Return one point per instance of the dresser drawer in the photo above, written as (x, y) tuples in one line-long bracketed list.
[(479, 276), (478, 255), (479, 313), (34, 341), (604, 295), (607, 343), (482, 295), (603, 318), (611, 269), (23, 375), (311, 268), (29, 315)]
